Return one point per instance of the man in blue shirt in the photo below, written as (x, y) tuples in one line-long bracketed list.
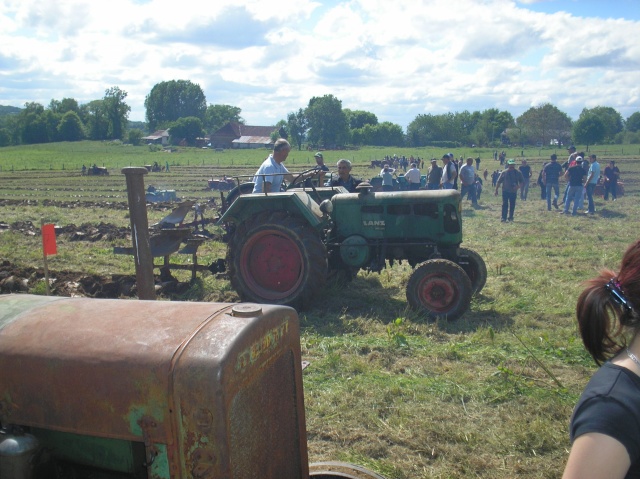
[(592, 180)]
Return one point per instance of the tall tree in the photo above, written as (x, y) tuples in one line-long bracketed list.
[(589, 129), (633, 122), (383, 134), (64, 105), (545, 122), (5, 137), (327, 122), (70, 127), (422, 130), (216, 116), (494, 122), (37, 125), (34, 129), (612, 120), (297, 125), (174, 99), (117, 111), (95, 118), (187, 129), (360, 118)]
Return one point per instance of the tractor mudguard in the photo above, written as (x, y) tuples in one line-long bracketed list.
[(297, 203)]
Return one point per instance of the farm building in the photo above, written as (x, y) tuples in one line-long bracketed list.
[(237, 135), (161, 137)]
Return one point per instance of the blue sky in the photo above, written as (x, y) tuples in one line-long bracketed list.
[(397, 59), (627, 9)]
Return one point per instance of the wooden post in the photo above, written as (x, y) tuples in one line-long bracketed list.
[(140, 231)]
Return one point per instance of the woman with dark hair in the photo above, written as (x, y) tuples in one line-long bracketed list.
[(605, 426)]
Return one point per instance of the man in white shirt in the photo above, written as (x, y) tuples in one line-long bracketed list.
[(413, 177), (272, 172), (448, 173)]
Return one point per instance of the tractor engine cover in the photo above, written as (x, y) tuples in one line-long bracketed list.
[(354, 251), (203, 390)]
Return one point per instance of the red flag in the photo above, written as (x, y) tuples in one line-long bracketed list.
[(48, 239)]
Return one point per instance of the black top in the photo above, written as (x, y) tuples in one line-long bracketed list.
[(609, 405), (435, 175), (350, 184), (576, 174), (552, 172), (610, 173)]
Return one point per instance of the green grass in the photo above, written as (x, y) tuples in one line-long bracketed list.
[(115, 155), (489, 395)]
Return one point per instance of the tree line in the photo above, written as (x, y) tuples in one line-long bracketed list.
[(181, 106)]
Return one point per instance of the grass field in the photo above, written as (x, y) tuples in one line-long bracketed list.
[(489, 395)]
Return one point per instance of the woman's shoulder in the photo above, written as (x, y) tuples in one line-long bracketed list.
[(615, 383)]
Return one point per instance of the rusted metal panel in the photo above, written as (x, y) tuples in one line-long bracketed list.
[(219, 384), (259, 394)]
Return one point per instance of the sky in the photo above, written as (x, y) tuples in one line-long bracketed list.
[(395, 58)]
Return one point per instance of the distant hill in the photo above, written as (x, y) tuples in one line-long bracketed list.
[(9, 110)]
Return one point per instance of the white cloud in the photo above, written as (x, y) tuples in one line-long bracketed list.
[(269, 57)]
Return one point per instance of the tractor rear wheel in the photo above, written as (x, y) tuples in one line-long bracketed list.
[(278, 259), (441, 288), (336, 470), (473, 264)]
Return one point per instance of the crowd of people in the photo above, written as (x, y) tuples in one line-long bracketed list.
[(581, 172)]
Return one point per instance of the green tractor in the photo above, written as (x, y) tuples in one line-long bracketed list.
[(284, 246)]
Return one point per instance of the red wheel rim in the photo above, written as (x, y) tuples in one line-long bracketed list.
[(437, 292), (272, 265)]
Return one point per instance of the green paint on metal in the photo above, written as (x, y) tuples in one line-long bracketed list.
[(111, 454), (160, 467), (297, 203), (135, 415), (12, 306)]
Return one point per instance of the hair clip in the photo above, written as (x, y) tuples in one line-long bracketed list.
[(613, 286)]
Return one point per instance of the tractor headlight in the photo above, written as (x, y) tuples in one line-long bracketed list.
[(326, 207)]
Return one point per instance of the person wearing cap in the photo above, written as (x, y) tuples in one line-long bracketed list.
[(575, 176), (320, 166), (550, 176), (344, 176), (511, 181), (413, 177), (571, 159), (387, 174), (449, 173), (434, 175)]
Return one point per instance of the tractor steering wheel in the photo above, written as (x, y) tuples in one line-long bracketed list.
[(298, 179)]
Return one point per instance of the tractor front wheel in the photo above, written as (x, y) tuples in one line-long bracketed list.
[(473, 264), (441, 288), (278, 259)]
